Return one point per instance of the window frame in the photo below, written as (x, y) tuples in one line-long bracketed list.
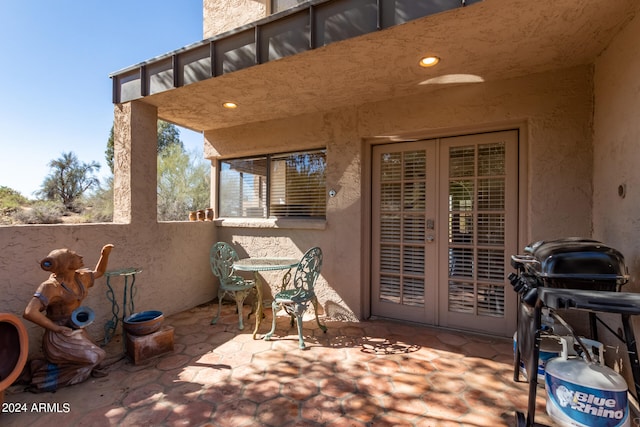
[(269, 214)]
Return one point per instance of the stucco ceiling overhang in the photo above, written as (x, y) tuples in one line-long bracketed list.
[(492, 40)]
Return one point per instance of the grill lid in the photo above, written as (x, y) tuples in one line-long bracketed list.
[(576, 258)]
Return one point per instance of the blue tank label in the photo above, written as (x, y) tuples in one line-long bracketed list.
[(588, 406)]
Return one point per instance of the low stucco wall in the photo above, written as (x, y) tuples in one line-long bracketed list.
[(174, 258), (553, 110)]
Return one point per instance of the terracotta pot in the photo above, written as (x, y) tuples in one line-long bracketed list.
[(200, 215), (14, 350), (193, 216)]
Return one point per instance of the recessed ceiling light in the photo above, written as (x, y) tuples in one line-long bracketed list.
[(429, 61), (230, 105)]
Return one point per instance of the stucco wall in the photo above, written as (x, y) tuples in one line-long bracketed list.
[(616, 219), (554, 108), (174, 258), (224, 15)]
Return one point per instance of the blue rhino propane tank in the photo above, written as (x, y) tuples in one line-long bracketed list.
[(585, 393)]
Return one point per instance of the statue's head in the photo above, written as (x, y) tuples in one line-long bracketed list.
[(60, 260)]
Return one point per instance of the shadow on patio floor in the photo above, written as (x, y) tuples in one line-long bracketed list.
[(373, 373)]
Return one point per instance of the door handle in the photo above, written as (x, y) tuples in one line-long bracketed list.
[(430, 239)]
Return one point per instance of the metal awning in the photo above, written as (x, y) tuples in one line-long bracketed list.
[(291, 32)]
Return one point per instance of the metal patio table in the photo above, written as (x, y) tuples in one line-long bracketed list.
[(258, 264)]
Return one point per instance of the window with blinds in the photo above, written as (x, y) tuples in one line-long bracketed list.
[(402, 227), (282, 185), (476, 252)]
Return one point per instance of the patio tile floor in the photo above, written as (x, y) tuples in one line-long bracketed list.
[(373, 373)]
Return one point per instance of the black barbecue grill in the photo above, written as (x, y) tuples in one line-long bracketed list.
[(573, 263), (571, 273)]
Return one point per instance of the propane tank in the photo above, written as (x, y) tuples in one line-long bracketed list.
[(585, 393)]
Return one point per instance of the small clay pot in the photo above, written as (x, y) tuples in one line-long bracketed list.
[(208, 214), (193, 216), (200, 215), (143, 323)]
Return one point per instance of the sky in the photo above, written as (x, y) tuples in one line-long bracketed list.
[(55, 90)]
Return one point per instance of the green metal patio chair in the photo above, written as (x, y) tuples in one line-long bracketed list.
[(296, 300), (222, 256)]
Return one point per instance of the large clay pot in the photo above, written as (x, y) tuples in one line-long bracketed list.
[(14, 350)]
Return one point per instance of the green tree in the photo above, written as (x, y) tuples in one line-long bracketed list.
[(183, 183), (168, 136), (69, 179)]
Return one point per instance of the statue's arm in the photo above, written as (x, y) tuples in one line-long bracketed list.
[(101, 266)]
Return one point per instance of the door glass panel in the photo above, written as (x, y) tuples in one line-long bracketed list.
[(491, 159), (413, 289), (390, 166), (390, 228), (413, 228), (490, 300), (461, 297), (390, 288), (391, 196), (491, 229), (389, 258), (491, 194), (462, 161)]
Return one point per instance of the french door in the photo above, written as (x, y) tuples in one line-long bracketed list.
[(444, 226)]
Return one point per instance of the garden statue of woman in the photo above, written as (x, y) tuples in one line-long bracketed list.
[(71, 356)]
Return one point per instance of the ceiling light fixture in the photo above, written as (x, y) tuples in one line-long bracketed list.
[(429, 61), (230, 105)]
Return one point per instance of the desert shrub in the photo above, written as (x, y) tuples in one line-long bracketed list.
[(40, 212), (99, 205)]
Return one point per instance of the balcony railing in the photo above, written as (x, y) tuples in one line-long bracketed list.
[(306, 27)]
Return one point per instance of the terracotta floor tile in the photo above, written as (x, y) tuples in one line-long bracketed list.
[(143, 395), (321, 409), (337, 386), (273, 412), (300, 389), (362, 407)]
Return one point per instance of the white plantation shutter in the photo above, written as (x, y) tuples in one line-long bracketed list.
[(476, 245), (402, 227)]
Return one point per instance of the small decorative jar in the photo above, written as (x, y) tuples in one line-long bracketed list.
[(200, 215), (208, 214), (193, 216)]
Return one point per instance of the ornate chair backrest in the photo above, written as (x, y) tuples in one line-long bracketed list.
[(308, 270), (222, 256)]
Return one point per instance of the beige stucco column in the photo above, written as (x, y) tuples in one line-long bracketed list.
[(135, 144), (224, 15)]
